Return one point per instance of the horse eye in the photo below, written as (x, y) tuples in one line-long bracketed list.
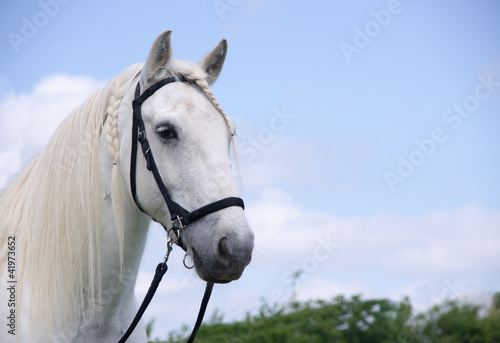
[(166, 132)]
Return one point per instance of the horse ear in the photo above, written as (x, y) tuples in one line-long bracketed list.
[(213, 61), (158, 57)]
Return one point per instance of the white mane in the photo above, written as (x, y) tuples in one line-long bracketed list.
[(53, 208)]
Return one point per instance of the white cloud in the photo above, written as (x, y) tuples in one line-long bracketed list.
[(28, 120), (323, 288), (411, 290), (464, 240)]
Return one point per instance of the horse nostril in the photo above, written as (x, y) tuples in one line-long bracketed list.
[(223, 250)]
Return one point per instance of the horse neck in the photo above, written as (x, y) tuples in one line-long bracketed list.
[(120, 261), (119, 275)]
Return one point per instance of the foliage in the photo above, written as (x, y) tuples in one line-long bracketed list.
[(354, 320), (149, 327)]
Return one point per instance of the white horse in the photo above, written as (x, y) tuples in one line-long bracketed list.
[(71, 234)]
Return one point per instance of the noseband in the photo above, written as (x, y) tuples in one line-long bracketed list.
[(179, 216)]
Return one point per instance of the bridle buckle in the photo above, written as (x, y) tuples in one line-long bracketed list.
[(177, 223), (174, 232), (141, 136)]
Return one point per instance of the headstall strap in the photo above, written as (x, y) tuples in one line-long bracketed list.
[(179, 216)]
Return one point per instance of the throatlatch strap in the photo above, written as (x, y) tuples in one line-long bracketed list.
[(133, 154)]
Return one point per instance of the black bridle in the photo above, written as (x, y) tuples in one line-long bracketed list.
[(179, 216)]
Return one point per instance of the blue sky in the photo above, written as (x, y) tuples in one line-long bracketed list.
[(364, 92)]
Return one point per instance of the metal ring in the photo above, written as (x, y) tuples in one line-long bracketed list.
[(173, 234), (184, 262)]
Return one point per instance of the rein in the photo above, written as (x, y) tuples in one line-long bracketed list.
[(180, 217), (161, 269)]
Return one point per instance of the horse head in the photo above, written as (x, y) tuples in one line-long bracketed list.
[(189, 136)]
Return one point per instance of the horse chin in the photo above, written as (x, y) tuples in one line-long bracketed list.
[(216, 272)]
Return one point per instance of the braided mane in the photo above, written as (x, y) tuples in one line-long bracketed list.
[(53, 209)]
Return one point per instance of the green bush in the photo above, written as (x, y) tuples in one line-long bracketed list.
[(355, 320)]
